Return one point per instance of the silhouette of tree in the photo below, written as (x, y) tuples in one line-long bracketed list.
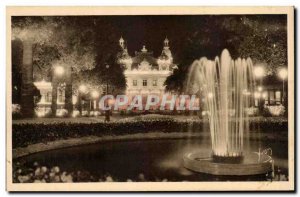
[(263, 38), (47, 41)]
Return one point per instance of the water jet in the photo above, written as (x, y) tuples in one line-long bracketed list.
[(225, 84)]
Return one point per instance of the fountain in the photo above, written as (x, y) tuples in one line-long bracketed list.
[(226, 85)]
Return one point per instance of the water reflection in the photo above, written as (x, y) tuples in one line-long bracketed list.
[(146, 160)]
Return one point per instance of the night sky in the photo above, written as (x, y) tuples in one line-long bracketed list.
[(152, 30)]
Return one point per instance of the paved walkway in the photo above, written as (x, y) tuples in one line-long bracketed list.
[(117, 117), (113, 118)]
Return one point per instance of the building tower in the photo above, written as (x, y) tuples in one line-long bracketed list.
[(165, 60), (124, 59), (122, 43)]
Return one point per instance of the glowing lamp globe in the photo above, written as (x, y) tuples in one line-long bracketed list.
[(59, 70), (283, 73), (259, 88), (259, 71), (210, 95), (95, 94), (82, 88)]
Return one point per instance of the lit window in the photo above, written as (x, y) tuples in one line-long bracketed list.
[(134, 82), (144, 82), (154, 83), (278, 97), (272, 97)]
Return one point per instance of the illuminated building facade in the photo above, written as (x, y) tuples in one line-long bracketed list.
[(144, 73)]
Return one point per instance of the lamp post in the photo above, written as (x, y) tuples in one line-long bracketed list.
[(259, 72), (107, 112), (283, 75), (95, 96), (82, 90), (58, 72)]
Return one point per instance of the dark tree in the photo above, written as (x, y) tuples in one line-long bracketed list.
[(17, 51), (47, 41), (263, 38)]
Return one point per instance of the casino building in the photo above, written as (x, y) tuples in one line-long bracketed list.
[(146, 74)]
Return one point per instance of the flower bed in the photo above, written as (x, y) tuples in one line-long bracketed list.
[(25, 134), (36, 173), (276, 110), (43, 174)]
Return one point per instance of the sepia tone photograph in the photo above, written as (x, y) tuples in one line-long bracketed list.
[(126, 99)]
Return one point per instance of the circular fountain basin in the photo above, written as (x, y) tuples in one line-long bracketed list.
[(249, 165)]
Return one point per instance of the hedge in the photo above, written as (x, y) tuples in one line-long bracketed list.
[(24, 134)]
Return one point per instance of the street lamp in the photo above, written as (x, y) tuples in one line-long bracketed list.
[(283, 75), (107, 112), (94, 95), (107, 67), (210, 95), (259, 88), (257, 95), (59, 70), (82, 90), (57, 73), (259, 72)]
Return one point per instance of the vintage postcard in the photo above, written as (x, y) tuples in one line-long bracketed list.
[(150, 99)]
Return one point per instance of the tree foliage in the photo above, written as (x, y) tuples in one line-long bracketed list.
[(85, 43), (57, 40), (263, 39)]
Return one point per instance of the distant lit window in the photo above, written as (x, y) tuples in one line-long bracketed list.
[(278, 97), (272, 97), (134, 82), (144, 82), (154, 82)]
